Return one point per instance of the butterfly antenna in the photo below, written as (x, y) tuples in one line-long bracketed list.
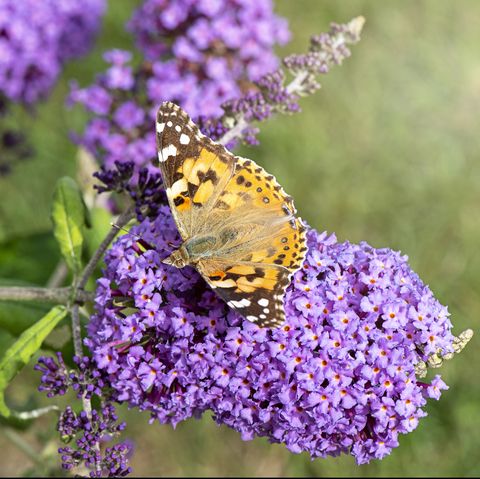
[(138, 238)]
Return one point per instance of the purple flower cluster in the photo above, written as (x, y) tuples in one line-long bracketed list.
[(274, 95), (56, 378), (221, 42), (90, 427), (337, 377), (196, 53), (88, 430), (36, 38)]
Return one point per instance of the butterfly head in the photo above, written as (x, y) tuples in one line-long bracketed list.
[(178, 258)]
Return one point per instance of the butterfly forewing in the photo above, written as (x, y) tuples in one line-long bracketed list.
[(194, 168), (259, 242)]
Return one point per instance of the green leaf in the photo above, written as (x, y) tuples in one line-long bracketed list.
[(68, 216), (20, 353)]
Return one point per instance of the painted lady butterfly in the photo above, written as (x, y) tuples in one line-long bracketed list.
[(237, 224)]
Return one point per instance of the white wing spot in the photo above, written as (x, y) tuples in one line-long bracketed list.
[(177, 127), (167, 152), (243, 303), (179, 186), (262, 316), (266, 310), (184, 139), (169, 124), (252, 318), (160, 127), (263, 302)]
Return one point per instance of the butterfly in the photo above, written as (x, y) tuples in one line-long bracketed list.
[(238, 225)]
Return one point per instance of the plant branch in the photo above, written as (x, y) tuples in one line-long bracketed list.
[(46, 295), (122, 220), (35, 413)]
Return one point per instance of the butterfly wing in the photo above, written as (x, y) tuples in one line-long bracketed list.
[(194, 168), (264, 245), (259, 241)]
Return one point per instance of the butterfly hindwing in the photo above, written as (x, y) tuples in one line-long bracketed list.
[(256, 291), (257, 241)]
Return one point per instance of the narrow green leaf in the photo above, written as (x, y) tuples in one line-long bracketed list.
[(20, 353), (68, 216)]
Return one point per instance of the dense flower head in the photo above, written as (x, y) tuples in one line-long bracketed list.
[(338, 376), (216, 36), (37, 37), (198, 54)]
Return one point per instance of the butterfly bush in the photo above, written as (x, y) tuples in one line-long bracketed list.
[(337, 377), (37, 38), (196, 53)]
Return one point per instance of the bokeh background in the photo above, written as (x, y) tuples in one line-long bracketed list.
[(388, 151)]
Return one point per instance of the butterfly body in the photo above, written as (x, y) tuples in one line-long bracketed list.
[(238, 226)]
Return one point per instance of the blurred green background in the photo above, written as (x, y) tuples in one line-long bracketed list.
[(388, 151)]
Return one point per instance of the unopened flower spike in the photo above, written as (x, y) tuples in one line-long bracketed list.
[(437, 359)]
